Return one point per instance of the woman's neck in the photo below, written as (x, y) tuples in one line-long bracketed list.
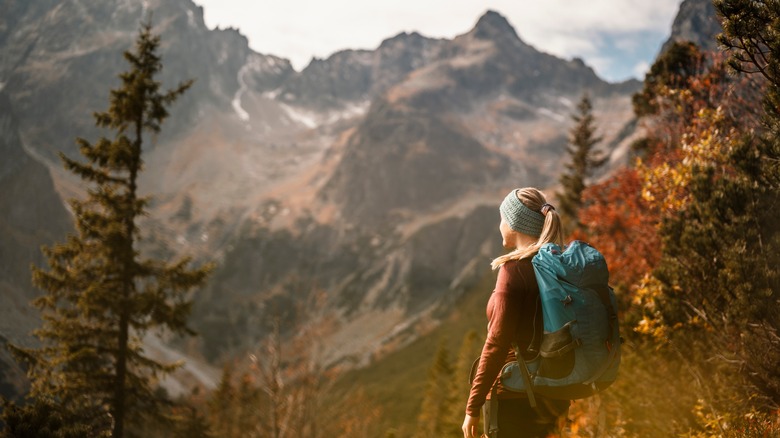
[(523, 241)]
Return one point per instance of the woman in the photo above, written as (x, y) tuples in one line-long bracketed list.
[(514, 316)]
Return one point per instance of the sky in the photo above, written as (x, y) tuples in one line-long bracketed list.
[(618, 38)]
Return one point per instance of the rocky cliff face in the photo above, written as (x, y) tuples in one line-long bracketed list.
[(696, 22), (354, 76), (403, 161), (370, 178), (61, 58), (33, 215)]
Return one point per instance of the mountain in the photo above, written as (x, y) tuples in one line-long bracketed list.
[(33, 214), (428, 133), (398, 216), (697, 22), (437, 160), (366, 183), (61, 58), (354, 76)]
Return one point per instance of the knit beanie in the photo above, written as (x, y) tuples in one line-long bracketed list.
[(521, 218)]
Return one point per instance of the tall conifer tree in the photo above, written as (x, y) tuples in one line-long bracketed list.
[(438, 398), (101, 296), (583, 161), (469, 351), (222, 405)]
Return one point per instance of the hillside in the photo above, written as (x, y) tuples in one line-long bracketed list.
[(396, 382)]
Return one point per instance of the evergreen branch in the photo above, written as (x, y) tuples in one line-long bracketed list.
[(752, 58)]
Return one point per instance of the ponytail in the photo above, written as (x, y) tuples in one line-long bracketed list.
[(552, 231)]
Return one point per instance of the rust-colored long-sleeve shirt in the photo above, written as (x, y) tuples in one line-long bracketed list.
[(513, 313)]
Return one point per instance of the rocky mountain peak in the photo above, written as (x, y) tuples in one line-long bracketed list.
[(494, 26), (696, 22), (350, 76), (402, 38)]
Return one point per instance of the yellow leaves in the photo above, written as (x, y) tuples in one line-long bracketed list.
[(715, 422), (653, 326), (664, 186), (666, 179), (648, 290), (646, 296)]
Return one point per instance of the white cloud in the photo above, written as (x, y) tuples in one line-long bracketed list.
[(601, 63), (607, 16), (300, 29), (641, 68), (627, 43), (567, 45)]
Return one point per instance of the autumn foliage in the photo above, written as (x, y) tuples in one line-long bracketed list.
[(686, 230), (622, 225)]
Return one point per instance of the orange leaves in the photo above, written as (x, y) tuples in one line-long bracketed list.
[(621, 226)]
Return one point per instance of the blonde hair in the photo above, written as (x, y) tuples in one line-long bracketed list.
[(551, 231)]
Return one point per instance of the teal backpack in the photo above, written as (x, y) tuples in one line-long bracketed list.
[(579, 352)]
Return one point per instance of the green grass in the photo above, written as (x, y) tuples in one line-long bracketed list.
[(396, 382)]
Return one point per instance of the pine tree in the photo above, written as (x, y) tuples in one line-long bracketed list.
[(222, 405), (438, 398), (247, 407), (101, 296), (469, 351), (42, 418), (583, 161), (193, 425)]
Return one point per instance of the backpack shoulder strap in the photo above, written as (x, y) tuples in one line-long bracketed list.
[(528, 383)]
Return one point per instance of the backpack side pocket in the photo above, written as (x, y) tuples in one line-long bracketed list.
[(557, 353)]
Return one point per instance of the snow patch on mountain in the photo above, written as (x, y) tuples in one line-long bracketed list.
[(268, 64), (307, 119), (355, 109), (551, 114), (566, 102), (242, 88), (192, 372), (191, 19), (250, 80)]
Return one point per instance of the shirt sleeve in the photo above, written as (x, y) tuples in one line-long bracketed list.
[(503, 314)]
